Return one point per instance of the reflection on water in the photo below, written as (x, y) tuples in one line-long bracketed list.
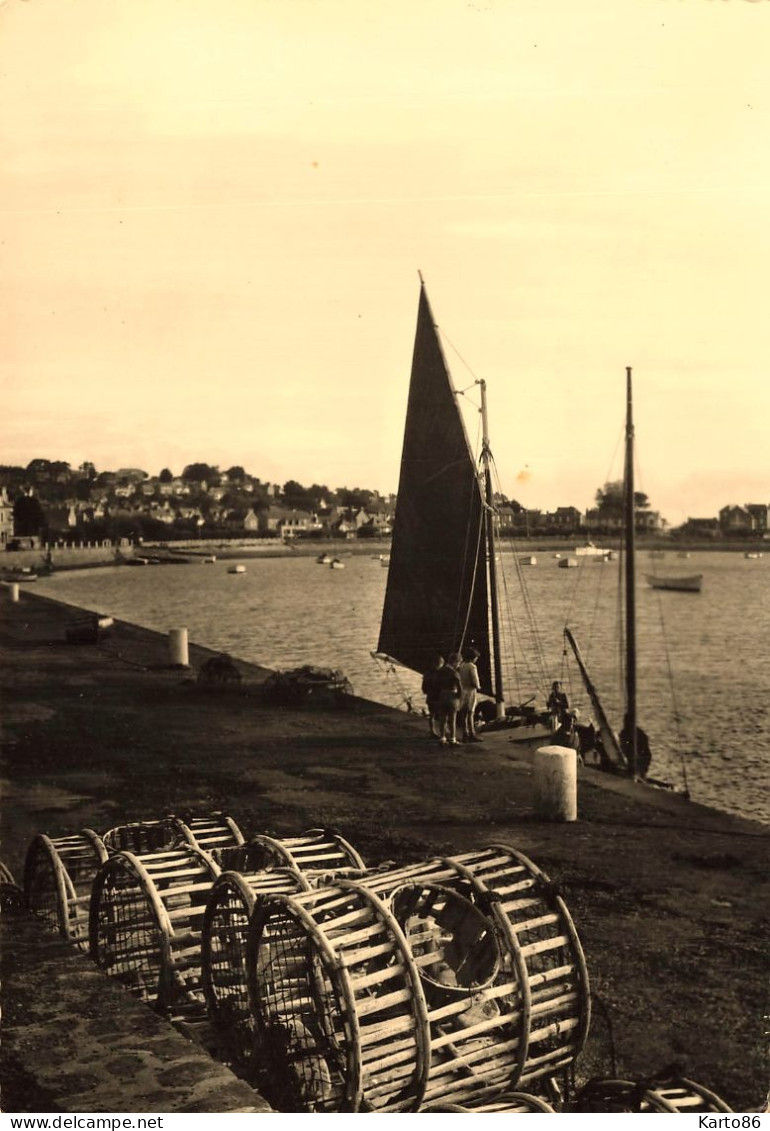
[(284, 612)]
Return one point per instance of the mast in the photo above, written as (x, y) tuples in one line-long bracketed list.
[(628, 500), (491, 557)]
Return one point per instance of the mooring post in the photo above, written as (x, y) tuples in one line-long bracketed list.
[(177, 640), (554, 782)]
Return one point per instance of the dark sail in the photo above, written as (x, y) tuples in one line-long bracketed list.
[(436, 599)]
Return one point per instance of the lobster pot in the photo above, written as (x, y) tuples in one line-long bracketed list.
[(58, 874), (510, 1103), (541, 951), (225, 932), (340, 1014), (473, 1001), (143, 837), (544, 954), (315, 851), (145, 929), (212, 833), (674, 1095)]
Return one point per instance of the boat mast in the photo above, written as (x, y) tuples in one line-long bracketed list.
[(628, 500), (486, 456)]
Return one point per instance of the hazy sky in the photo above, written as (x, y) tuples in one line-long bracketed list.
[(213, 215)]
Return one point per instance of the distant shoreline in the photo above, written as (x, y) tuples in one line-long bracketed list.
[(66, 559)]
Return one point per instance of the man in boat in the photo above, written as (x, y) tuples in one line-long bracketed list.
[(431, 689), (643, 752), (558, 705), (470, 685)]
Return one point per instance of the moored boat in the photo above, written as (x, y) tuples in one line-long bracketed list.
[(335, 563), (753, 554), (625, 751), (324, 559), (443, 594), (568, 563), (24, 573), (689, 584), (237, 569), (589, 550)]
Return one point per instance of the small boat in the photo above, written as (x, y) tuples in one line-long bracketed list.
[(689, 584), (237, 569), (385, 560), (528, 559), (555, 555), (568, 563), (210, 559), (683, 554), (755, 554), (335, 563), (25, 573), (324, 559), (589, 551)]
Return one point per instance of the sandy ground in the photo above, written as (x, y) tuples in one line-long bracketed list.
[(670, 899)]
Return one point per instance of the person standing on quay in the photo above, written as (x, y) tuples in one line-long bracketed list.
[(469, 685), (431, 691), (448, 683)]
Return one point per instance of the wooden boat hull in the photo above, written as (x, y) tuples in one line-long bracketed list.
[(690, 584)]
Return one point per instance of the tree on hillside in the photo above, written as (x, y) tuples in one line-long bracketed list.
[(28, 516), (296, 496), (235, 474), (166, 475), (201, 473), (354, 498), (609, 500)]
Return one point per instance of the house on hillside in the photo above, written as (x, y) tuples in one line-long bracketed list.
[(736, 520), (759, 512), (566, 519), (701, 528), (6, 519), (288, 523)]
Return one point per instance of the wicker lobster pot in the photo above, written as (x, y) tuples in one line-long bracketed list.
[(316, 851), (141, 837), (58, 874), (542, 954), (145, 924), (545, 952), (510, 1102), (673, 1095), (341, 1018), (225, 933)]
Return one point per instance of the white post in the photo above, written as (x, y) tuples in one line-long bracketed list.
[(554, 782), (177, 639), (14, 588)]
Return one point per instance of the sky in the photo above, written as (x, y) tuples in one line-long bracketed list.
[(213, 217)]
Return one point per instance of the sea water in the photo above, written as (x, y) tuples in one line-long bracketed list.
[(702, 658)]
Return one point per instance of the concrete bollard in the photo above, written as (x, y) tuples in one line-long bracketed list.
[(177, 640), (554, 781), (14, 588)]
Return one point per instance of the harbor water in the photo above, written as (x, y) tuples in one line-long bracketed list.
[(702, 658)]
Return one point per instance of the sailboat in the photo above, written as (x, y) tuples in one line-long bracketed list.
[(442, 591), (631, 756)]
